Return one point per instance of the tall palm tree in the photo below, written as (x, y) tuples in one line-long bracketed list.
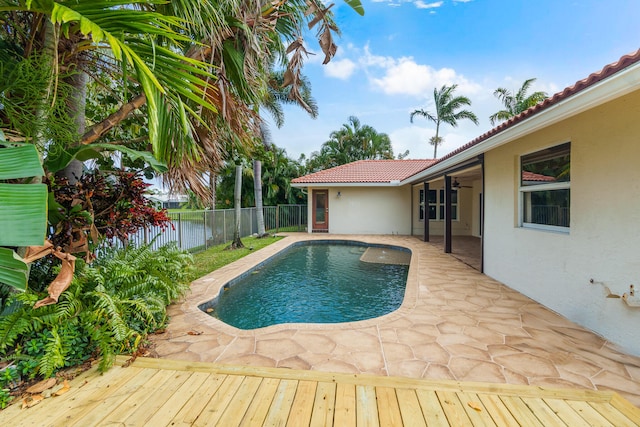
[(446, 111), (516, 104)]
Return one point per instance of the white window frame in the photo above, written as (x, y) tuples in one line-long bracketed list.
[(523, 190)]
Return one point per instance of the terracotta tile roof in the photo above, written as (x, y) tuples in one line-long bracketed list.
[(367, 171), (607, 71), (536, 177)]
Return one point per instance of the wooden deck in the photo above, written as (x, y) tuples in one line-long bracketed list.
[(160, 392)]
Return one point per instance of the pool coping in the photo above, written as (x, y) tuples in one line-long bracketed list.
[(208, 287)]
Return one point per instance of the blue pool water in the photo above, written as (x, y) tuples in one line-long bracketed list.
[(312, 282)]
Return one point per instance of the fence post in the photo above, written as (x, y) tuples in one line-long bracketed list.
[(277, 217), (224, 226), (204, 228), (180, 230), (146, 236)]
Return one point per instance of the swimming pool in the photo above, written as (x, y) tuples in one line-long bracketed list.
[(315, 282)]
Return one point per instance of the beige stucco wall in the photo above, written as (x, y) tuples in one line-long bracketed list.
[(604, 239), (369, 210)]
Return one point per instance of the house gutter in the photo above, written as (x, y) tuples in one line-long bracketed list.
[(606, 90), (394, 183)]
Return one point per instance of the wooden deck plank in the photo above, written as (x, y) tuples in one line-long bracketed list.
[(410, 408), (613, 415), (587, 412), (345, 410), (366, 406), (281, 404), (178, 399), (157, 398), (213, 410), (236, 409), (191, 410), (323, 408), (302, 406), (521, 411), (92, 396), (257, 411), (566, 413), (431, 409), (142, 398), (542, 411), (453, 409), (106, 403), (630, 411), (13, 411), (476, 409), (388, 407), (499, 412)]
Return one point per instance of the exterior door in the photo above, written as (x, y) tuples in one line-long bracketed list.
[(320, 211)]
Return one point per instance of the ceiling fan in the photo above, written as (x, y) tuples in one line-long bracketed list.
[(456, 184)]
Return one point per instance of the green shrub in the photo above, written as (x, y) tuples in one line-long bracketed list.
[(108, 309)]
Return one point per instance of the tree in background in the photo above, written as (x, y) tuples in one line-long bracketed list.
[(516, 104), (447, 110), (352, 142), (277, 172)]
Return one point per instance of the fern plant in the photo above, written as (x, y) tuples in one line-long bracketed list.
[(108, 309)]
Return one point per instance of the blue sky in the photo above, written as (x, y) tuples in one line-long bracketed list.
[(390, 60)]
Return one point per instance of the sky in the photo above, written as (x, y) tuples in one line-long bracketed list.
[(390, 60)]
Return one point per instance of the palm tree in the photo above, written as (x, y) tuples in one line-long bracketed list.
[(515, 105), (446, 111), (353, 141)]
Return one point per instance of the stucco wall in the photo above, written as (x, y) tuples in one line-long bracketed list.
[(603, 243), (369, 210)]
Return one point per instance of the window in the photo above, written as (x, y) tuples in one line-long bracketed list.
[(545, 188), (435, 203)]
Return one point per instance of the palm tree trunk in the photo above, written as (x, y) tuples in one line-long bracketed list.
[(237, 243), (76, 109), (257, 189), (435, 146)]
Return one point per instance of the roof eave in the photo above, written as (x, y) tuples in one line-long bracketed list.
[(609, 89), (347, 184)]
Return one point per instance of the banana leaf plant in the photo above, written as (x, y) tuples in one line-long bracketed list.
[(23, 209)]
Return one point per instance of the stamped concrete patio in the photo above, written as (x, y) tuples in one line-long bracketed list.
[(455, 323)]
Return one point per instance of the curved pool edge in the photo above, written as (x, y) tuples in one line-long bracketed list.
[(208, 287)]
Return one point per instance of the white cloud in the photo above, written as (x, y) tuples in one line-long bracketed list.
[(404, 76), (340, 69), (422, 5)]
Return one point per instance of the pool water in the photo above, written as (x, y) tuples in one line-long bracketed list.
[(313, 282)]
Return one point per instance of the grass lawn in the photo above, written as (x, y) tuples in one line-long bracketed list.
[(216, 257)]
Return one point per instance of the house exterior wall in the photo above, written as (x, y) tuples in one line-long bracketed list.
[(369, 210), (603, 242)]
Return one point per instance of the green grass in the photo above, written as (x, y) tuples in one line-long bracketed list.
[(216, 257)]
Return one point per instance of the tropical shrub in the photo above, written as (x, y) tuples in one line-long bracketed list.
[(109, 309)]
